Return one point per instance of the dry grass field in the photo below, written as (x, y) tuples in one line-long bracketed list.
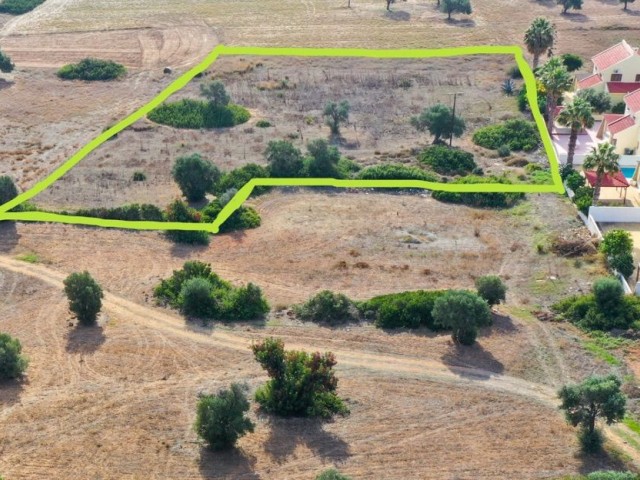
[(378, 130), (118, 401)]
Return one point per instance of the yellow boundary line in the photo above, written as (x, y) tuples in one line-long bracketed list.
[(245, 191)]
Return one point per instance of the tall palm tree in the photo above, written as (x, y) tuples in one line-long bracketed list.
[(539, 38), (603, 159), (554, 80), (576, 115)]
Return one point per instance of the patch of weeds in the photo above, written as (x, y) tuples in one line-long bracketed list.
[(521, 210), (632, 424), (602, 353), (29, 258), (600, 344)]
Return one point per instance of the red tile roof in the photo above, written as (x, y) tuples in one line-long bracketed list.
[(609, 180), (590, 81), (613, 55), (633, 101), (612, 117), (621, 124), (623, 87)]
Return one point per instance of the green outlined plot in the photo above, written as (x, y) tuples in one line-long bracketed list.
[(245, 191)]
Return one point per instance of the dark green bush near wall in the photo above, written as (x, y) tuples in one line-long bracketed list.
[(448, 161), (402, 310), (92, 69), (194, 114), (18, 7), (392, 171), (475, 199), (516, 134)]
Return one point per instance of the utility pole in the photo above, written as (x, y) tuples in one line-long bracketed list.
[(453, 116)]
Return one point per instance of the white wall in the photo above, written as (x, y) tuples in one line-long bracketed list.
[(615, 214)]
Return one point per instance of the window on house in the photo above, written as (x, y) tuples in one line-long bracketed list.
[(638, 77), (616, 77)]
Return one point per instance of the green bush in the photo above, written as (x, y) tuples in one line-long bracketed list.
[(18, 7), (611, 475), (462, 312), (392, 171), (263, 124), (402, 310), (331, 474), (85, 297), (618, 108), (179, 211), (220, 418), (347, 167), (6, 65), (616, 242), (328, 308), (239, 177), (574, 181), (241, 219), (92, 69), (491, 288), (516, 134), (194, 114), (514, 72), (583, 199), (144, 212), (8, 190), (195, 176), (197, 291), (285, 160), (301, 384), (448, 161), (623, 264), (139, 177), (571, 61), (12, 363), (504, 151), (322, 160), (475, 199)]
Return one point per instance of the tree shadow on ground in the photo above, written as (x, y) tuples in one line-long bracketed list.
[(546, 3), (235, 464), (185, 250), (10, 391), (9, 236), (287, 434), (460, 22), (473, 361), (575, 17), (85, 339), (397, 15), (599, 461), (633, 13), (502, 325)]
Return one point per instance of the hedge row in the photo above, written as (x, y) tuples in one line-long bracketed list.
[(92, 69), (195, 114)]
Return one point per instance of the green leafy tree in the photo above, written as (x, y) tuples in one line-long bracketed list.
[(539, 38), (179, 212), (491, 288), (8, 190), (463, 312), (571, 61), (6, 65), (195, 176), (323, 159), (332, 474), (328, 307), (599, 101), (626, 2), (596, 397), (85, 297), (216, 93), (603, 159), (570, 4), (455, 6), (196, 298), (336, 114), (301, 384), (220, 418), (12, 363), (554, 80), (439, 122), (577, 115), (285, 160)]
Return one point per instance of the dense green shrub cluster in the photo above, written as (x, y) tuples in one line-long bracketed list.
[(448, 161), (523, 103), (8, 189), (195, 176), (301, 384), (392, 171), (6, 65), (491, 288), (605, 308), (179, 211), (516, 134), (583, 198), (92, 69), (333, 474), (574, 180), (18, 7), (239, 177), (617, 246), (402, 310), (475, 199), (241, 219), (134, 211), (198, 291), (12, 362), (328, 308), (189, 113)]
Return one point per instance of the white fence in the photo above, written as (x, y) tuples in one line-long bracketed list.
[(615, 214), (578, 159)]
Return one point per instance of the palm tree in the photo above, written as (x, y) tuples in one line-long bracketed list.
[(554, 80), (576, 115), (539, 38), (603, 159)]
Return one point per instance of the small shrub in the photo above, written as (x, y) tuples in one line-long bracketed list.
[(574, 181), (612, 475), (616, 242), (571, 61), (196, 298), (514, 72), (180, 212), (623, 264), (448, 161), (332, 474), (239, 177), (92, 69), (263, 124), (619, 108), (491, 288), (504, 151), (391, 171), (6, 65), (220, 418), (329, 308), (516, 134), (8, 190), (242, 218), (12, 363), (85, 297), (139, 177), (405, 83), (508, 87)]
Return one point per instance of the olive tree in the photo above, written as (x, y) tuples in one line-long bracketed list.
[(6, 65), (85, 297), (439, 122), (336, 114), (463, 312), (455, 6), (8, 190), (285, 160), (12, 362), (216, 93), (195, 176), (491, 288)]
